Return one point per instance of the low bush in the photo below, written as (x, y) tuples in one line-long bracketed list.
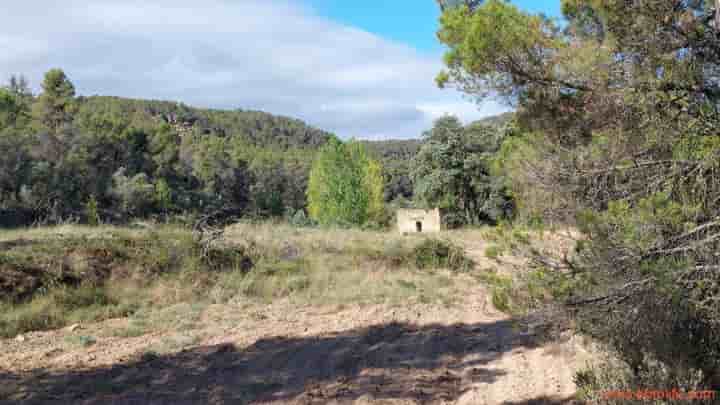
[(436, 253), (75, 274), (599, 382), (50, 281), (502, 289)]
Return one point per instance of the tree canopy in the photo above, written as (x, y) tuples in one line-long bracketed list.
[(621, 107), (452, 171), (346, 185)]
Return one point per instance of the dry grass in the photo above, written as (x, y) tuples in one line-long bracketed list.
[(337, 266), (131, 272)]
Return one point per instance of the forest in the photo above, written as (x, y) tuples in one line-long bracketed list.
[(111, 160)]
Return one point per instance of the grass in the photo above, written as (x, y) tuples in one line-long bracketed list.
[(157, 278), (493, 252)]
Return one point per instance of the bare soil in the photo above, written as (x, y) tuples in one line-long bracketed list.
[(283, 353)]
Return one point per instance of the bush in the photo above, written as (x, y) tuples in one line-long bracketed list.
[(439, 253), (613, 375), (55, 282), (502, 289)]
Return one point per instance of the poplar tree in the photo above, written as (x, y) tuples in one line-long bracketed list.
[(345, 186)]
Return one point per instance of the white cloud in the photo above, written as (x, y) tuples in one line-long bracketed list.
[(272, 55)]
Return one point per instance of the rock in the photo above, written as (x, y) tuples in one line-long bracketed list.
[(20, 338), (73, 328)]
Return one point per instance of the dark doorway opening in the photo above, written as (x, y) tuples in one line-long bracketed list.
[(418, 226)]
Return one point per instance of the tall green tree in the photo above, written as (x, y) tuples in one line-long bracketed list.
[(345, 186), (452, 171), (56, 105)]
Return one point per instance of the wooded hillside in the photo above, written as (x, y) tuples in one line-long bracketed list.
[(110, 159)]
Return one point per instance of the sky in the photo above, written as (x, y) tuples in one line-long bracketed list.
[(358, 68)]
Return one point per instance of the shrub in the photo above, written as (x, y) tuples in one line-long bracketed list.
[(610, 374), (59, 281), (439, 253), (502, 289)]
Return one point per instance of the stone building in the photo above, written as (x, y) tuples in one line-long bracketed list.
[(418, 221)]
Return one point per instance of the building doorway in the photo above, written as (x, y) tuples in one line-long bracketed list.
[(418, 226)]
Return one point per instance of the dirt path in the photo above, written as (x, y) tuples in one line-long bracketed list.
[(278, 354)]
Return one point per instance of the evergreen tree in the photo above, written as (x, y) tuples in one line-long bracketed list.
[(55, 107), (452, 171), (622, 108)]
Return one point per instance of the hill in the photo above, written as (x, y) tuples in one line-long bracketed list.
[(255, 127), (109, 159)]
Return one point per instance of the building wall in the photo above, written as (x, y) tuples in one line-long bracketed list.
[(407, 220)]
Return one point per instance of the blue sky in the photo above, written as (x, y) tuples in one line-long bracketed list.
[(358, 68), (410, 21)]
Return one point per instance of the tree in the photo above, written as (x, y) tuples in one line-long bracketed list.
[(345, 186), (226, 180), (374, 183), (15, 167), (8, 109), (447, 4), (20, 89), (55, 107), (452, 172), (624, 105), (135, 195), (14, 105)]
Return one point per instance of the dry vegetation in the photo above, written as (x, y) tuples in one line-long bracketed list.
[(53, 277), (381, 317)]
